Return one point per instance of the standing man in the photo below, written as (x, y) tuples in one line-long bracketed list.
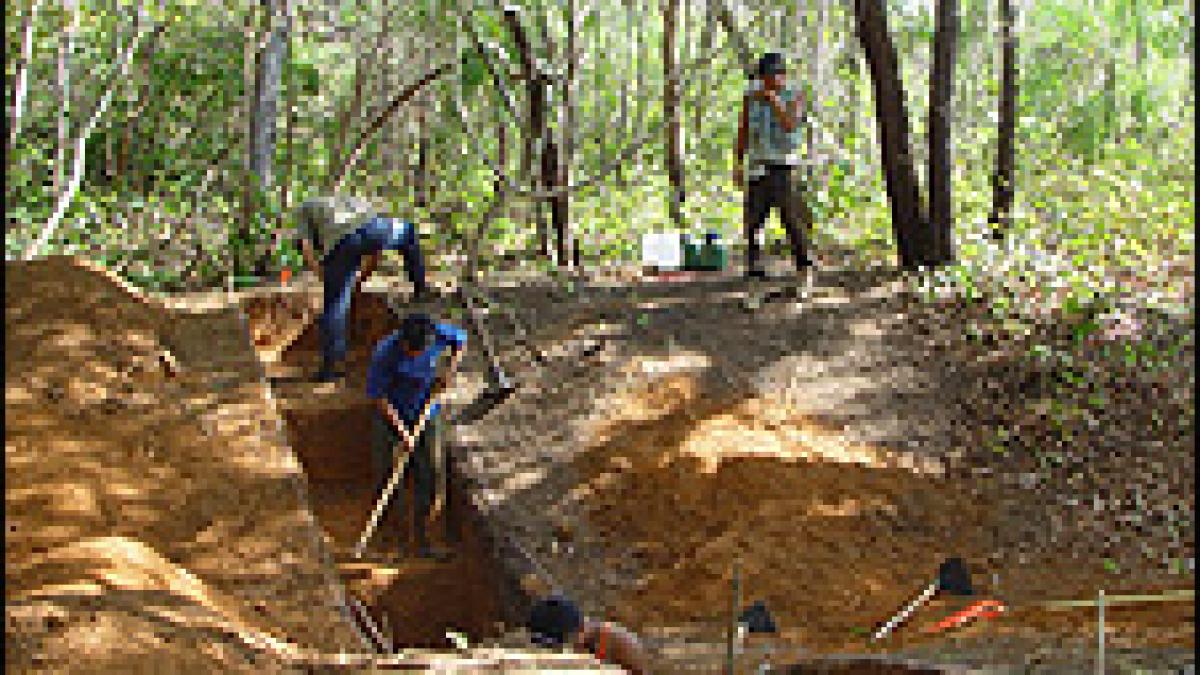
[(403, 378), (338, 236), (769, 129)]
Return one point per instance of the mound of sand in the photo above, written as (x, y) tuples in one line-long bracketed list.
[(156, 517)]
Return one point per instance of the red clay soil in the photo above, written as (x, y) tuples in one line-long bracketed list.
[(154, 515)]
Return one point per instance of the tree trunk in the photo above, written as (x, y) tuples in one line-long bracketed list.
[(420, 171), (940, 171), (706, 45), (563, 201), (267, 76), (909, 225), (535, 135), (671, 108), (268, 72), (109, 88), (21, 81), (740, 44), (1002, 180), (66, 48)]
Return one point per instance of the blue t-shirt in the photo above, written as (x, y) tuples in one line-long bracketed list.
[(406, 380)]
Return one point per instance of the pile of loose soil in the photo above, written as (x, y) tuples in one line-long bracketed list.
[(833, 444), (156, 518), (840, 443)]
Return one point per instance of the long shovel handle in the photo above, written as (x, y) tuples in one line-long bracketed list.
[(921, 599), (386, 495), (380, 503)]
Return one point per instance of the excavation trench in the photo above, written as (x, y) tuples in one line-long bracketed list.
[(414, 601)]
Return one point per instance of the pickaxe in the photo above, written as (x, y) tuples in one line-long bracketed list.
[(952, 578)]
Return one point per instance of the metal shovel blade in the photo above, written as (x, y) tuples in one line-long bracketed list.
[(486, 402), (953, 577), (757, 619)]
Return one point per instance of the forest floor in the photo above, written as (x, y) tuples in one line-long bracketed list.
[(839, 442)]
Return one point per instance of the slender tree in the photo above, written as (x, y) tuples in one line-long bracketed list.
[(66, 49), (671, 105), (267, 79), (21, 81), (914, 237), (941, 90), (1002, 178)]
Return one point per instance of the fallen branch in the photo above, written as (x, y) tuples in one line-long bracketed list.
[(403, 97)]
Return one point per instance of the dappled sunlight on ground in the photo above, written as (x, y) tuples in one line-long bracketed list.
[(143, 492)]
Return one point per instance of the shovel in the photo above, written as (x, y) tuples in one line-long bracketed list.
[(952, 578), (393, 482)]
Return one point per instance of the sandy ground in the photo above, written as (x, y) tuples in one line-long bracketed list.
[(838, 447), (158, 520), (152, 507), (837, 444)]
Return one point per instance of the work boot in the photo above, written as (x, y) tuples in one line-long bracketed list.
[(422, 295), (327, 374)]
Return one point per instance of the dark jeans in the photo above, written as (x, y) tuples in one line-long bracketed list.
[(340, 266), (779, 188), (429, 467)]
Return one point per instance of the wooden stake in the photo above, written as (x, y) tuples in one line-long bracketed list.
[(397, 474)]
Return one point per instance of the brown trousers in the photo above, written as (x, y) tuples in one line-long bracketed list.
[(781, 188)]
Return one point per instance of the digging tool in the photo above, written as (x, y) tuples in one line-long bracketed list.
[(394, 481), (500, 386), (757, 619), (952, 578), (984, 609)]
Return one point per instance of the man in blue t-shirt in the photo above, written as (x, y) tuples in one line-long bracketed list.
[(402, 379)]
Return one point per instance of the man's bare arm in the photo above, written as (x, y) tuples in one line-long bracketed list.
[(743, 131), (740, 146), (368, 268), (788, 116), (310, 256), (451, 368)]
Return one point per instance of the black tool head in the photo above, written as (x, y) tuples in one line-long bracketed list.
[(485, 402), (758, 619), (554, 621), (953, 577)]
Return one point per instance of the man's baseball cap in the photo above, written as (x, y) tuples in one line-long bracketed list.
[(771, 63), (416, 331)]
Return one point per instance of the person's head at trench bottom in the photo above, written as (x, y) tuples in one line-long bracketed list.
[(556, 622)]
